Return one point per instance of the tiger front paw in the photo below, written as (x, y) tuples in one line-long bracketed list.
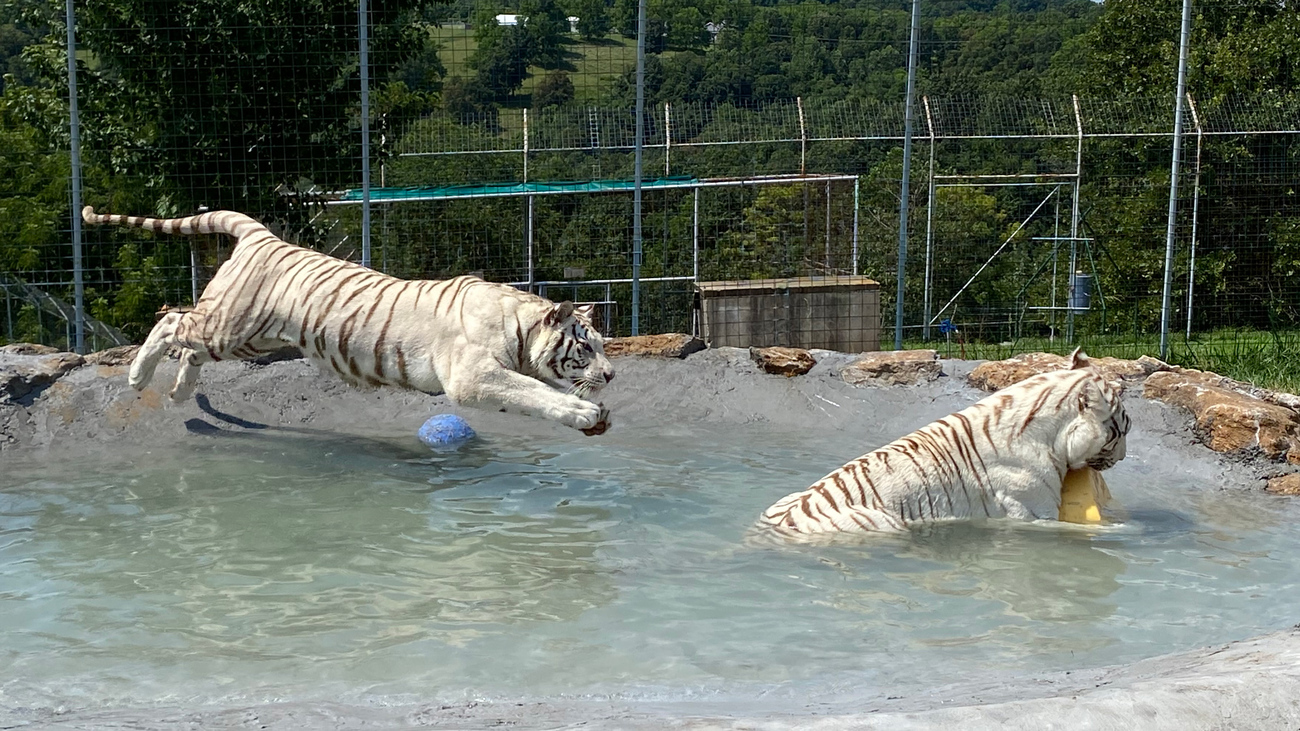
[(588, 418), (602, 423)]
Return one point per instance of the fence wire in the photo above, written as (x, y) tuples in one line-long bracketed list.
[(1018, 205)]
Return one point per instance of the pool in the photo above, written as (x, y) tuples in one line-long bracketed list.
[(312, 565)]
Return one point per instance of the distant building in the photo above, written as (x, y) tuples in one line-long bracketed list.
[(714, 29), (573, 23), (507, 19)]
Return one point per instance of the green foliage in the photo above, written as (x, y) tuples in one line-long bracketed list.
[(624, 17), (33, 180), (502, 64), (770, 242), (1239, 47), (593, 19), (226, 103), (555, 90), (176, 86), (545, 23), (504, 53)]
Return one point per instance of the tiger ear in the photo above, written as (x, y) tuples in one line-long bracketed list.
[(1078, 359), (587, 310), (559, 313)]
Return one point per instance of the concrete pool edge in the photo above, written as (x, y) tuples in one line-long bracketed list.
[(1252, 681)]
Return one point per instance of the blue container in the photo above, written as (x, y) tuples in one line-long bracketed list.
[(445, 430), (1081, 292)]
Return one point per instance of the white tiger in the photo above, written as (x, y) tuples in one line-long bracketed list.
[(485, 345), (1005, 456)]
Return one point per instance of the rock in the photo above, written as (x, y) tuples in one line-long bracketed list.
[(119, 356), (788, 362), (666, 345), (1284, 485), (23, 374), (1151, 365), (998, 374), (28, 349), (1226, 420), (894, 368)]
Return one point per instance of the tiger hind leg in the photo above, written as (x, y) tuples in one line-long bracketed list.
[(187, 376), (192, 360)]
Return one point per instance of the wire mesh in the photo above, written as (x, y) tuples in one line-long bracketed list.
[(256, 108)]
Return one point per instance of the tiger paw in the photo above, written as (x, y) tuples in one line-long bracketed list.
[(602, 423)]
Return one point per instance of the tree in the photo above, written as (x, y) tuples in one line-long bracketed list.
[(624, 17), (460, 100), (545, 23), (503, 64), (555, 90), (423, 71), (1242, 47), (593, 19), (686, 29), (223, 102)]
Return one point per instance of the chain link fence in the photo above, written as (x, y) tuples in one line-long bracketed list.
[(1035, 223)]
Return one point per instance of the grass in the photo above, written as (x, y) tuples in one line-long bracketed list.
[(1269, 359), (592, 66)]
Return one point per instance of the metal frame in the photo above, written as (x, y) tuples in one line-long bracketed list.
[(532, 284)]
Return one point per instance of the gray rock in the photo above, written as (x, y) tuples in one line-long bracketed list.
[(20, 375)]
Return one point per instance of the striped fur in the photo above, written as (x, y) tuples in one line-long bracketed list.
[(485, 345), (1005, 456)]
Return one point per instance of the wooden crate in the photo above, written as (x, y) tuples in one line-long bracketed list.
[(834, 313)]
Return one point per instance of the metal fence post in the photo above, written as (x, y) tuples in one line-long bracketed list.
[(695, 254), (363, 23), (636, 165), (857, 190), (74, 129), (1196, 205), (907, 172), (1173, 179), (929, 227), (1074, 221)]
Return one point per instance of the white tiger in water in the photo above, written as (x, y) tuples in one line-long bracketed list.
[(485, 345), (1005, 456)]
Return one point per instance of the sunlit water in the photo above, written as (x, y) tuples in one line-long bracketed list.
[(277, 565)]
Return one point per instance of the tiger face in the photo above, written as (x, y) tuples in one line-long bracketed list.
[(1115, 427), (1098, 438), (576, 354)]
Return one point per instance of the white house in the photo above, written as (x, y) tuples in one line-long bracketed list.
[(573, 23), (507, 19)]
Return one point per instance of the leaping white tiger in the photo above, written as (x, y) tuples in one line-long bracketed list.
[(1005, 456), (484, 344)]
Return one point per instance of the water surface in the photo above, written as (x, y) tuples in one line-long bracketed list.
[(280, 565)]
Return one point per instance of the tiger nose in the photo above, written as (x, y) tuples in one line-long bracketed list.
[(609, 376)]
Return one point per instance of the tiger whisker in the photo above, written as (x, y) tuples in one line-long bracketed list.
[(584, 387)]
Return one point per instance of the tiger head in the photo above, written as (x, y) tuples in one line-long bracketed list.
[(1098, 437), (573, 351)]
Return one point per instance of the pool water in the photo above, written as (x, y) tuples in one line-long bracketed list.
[(280, 565)]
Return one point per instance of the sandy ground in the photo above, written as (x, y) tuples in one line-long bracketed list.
[(1253, 684)]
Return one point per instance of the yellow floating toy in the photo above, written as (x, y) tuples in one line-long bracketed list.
[(1083, 493)]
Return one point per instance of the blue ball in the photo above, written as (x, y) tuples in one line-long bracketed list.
[(445, 430)]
